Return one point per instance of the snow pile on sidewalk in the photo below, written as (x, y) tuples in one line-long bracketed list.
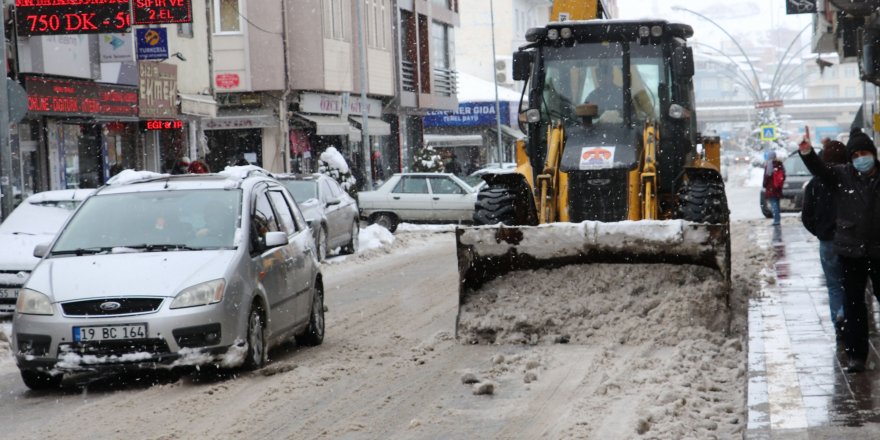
[(630, 304), (5, 351), (374, 237)]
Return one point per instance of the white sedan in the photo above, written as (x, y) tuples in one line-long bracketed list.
[(418, 198)]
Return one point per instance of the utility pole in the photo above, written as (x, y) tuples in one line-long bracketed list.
[(5, 149), (365, 112), (498, 149)]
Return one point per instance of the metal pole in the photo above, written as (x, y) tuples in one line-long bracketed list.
[(7, 201), (365, 113), (499, 147)]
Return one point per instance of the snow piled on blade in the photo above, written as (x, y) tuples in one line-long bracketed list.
[(628, 303), (131, 176)]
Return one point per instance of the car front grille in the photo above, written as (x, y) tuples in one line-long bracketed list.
[(105, 349), (126, 306)]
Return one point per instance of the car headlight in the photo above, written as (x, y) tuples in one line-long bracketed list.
[(31, 302), (200, 295)]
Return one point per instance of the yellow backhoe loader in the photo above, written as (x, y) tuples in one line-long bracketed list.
[(611, 169)]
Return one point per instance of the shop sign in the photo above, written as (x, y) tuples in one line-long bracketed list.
[(239, 100), (321, 103), (227, 80), (161, 125), (239, 123), (469, 114), (162, 11), (80, 98), (65, 17), (115, 48), (157, 91), (152, 44)]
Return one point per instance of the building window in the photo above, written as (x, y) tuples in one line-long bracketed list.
[(337, 19), (377, 24), (850, 92), (227, 16), (445, 4), (442, 47)]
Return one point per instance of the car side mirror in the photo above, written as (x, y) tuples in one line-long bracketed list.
[(333, 201), (522, 65), (683, 62), (41, 250), (275, 239)]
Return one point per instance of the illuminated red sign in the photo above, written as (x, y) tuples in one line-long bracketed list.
[(155, 125), (58, 17), (80, 98), (227, 80), (162, 11)]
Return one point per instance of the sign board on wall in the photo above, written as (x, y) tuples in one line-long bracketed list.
[(162, 11), (57, 17), (157, 91), (152, 44), (79, 98), (227, 80), (322, 103), (469, 114), (72, 56), (116, 48)]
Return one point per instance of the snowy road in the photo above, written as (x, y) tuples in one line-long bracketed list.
[(389, 368)]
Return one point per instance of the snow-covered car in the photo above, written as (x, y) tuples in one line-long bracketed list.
[(331, 212), (35, 221), (475, 179), (418, 198), (173, 271)]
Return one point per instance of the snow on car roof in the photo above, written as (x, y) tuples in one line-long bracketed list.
[(60, 195)]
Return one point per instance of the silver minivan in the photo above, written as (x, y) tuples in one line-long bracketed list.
[(158, 271)]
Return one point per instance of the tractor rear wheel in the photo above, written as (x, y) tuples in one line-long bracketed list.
[(703, 201), (499, 203)]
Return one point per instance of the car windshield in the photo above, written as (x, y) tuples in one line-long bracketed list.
[(794, 166), (156, 220), (302, 190), (43, 217), (473, 181)]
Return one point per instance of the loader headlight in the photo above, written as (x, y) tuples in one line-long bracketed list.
[(656, 31), (533, 116), (553, 34), (676, 111), (644, 32), (565, 33)]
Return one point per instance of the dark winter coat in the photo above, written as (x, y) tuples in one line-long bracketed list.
[(772, 187), (819, 213), (858, 206)]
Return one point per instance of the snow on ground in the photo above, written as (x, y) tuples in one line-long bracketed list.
[(411, 227)]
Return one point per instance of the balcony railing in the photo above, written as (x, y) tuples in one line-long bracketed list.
[(408, 76), (445, 82)]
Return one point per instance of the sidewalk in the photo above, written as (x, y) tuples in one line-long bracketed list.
[(797, 387)]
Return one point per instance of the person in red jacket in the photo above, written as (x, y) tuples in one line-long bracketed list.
[(774, 180)]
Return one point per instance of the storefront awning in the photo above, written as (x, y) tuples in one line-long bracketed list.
[(508, 132), (198, 105), (454, 140), (326, 125), (376, 127)]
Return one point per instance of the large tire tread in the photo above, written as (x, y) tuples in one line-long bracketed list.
[(703, 201)]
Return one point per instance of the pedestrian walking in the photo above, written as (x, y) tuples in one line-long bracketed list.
[(856, 236), (819, 216), (774, 179)]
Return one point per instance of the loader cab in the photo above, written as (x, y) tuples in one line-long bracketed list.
[(627, 71)]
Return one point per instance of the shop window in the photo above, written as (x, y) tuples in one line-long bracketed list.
[(227, 16)]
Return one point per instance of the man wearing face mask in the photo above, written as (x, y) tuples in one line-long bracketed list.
[(857, 237)]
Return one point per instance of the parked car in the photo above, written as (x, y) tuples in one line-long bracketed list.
[(418, 198), (174, 271), (330, 211), (796, 177), (34, 221)]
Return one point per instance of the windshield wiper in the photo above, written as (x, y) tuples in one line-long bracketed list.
[(161, 247), (83, 251)]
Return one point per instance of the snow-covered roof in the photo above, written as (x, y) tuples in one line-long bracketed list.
[(474, 89)]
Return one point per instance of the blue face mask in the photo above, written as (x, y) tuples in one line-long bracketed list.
[(864, 163)]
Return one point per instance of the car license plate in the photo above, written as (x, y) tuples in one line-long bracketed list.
[(110, 332), (6, 292)]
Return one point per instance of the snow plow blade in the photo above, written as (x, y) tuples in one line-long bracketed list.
[(488, 252)]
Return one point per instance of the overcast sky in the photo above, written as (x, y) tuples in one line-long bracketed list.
[(745, 19)]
